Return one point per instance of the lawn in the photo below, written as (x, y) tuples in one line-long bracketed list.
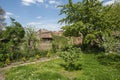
[(51, 70)]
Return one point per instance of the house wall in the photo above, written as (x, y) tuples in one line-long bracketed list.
[(46, 39)]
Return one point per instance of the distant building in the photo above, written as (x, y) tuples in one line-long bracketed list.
[(46, 38), (48, 35)]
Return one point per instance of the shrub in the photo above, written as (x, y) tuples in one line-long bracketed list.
[(37, 56), (2, 64), (48, 54), (7, 61), (24, 59), (31, 59), (71, 58), (43, 53), (2, 57)]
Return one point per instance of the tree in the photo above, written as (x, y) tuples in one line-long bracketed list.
[(11, 38), (14, 33), (30, 41), (88, 19), (113, 40), (115, 17), (2, 18)]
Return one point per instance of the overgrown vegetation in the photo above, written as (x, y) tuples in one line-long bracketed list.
[(10, 41), (91, 20), (18, 44), (91, 70), (97, 25), (112, 60), (72, 58), (59, 42)]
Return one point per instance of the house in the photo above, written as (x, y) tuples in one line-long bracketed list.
[(46, 38)]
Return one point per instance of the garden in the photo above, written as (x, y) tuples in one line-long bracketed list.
[(97, 57)]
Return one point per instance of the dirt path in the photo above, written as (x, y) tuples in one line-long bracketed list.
[(2, 77), (2, 70)]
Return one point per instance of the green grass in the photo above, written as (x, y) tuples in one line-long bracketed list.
[(92, 70), (51, 70)]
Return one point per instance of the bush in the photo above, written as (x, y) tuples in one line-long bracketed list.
[(71, 58), (31, 59), (2, 64), (43, 53), (7, 61), (2, 57), (24, 59), (37, 56), (48, 55)]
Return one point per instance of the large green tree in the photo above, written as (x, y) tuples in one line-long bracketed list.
[(14, 33), (10, 40), (112, 41), (89, 19)]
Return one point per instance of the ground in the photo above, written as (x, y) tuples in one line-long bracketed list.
[(52, 70)]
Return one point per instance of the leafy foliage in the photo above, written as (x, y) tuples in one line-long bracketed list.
[(14, 33), (37, 57), (10, 41), (71, 58), (115, 17), (90, 20), (7, 61), (59, 42), (30, 43), (24, 59)]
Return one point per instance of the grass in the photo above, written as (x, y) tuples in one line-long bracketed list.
[(51, 70), (92, 70)]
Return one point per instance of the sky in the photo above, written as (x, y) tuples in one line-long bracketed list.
[(40, 14)]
